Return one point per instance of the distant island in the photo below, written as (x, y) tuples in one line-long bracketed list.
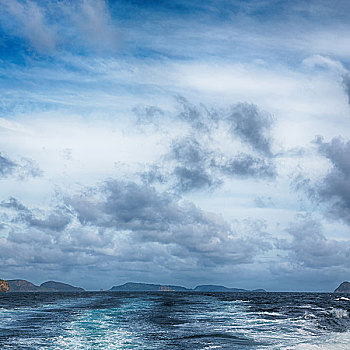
[(343, 288), (146, 287), (18, 285), (49, 286)]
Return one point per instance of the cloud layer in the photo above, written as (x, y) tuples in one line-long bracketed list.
[(164, 142)]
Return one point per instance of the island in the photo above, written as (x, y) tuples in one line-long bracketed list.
[(19, 285), (147, 287), (215, 288), (49, 286), (343, 288)]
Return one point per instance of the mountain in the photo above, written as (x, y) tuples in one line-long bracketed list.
[(146, 287), (343, 288), (215, 288), (4, 287), (53, 286), (22, 286), (50, 286)]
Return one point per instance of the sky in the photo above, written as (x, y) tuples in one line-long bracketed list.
[(175, 142)]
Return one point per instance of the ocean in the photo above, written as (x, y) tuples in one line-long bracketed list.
[(174, 320)]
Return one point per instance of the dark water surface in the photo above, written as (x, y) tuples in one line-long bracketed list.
[(121, 320)]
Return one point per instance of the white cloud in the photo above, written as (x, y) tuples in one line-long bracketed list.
[(27, 19)]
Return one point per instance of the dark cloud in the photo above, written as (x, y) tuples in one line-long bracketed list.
[(346, 84), (196, 167), (246, 165), (194, 163), (252, 126), (188, 167), (309, 247), (20, 169), (200, 118), (189, 152), (56, 220), (6, 166), (191, 179), (333, 189), (127, 225), (244, 120)]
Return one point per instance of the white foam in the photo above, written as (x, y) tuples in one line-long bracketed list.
[(342, 298), (339, 313)]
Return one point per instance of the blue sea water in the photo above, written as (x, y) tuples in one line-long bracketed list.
[(121, 320)]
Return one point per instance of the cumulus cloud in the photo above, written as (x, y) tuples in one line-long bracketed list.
[(200, 118), (310, 248), (123, 223), (194, 163), (190, 166), (246, 165), (252, 126), (55, 220), (6, 166), (21, 169), (333, 189)]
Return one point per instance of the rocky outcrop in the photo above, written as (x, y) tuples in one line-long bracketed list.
[(50, 286), (4, 287), (343, 288)]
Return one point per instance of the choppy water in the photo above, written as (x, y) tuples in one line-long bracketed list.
[(112, 320)]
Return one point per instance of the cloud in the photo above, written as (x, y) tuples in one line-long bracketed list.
[(192, 163), (324, 62), (50, 27), (127, 225), (309, 247), (263, 202), (200, 118), (21, 169), (6, 166), (332, 190), (28, 20), (252, 126), (189, 166), (56, 220), (246, 165), (193, 168), (346, 84), (244, 120), (94, 25)]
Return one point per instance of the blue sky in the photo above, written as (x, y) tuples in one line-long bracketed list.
[(175, 142)]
